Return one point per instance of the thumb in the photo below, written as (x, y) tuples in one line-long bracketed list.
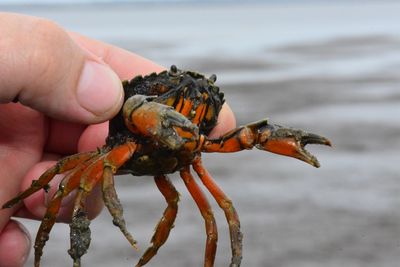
[(43, 68)]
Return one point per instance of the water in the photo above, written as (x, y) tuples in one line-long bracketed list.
[(332, 68)]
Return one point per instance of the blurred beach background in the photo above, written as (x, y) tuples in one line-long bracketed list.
[(331, 67)]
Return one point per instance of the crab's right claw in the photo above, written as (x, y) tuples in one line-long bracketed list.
[(290, 142), (160, 122)]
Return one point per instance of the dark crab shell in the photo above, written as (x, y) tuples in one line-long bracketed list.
[(166, 88), (169, 88)]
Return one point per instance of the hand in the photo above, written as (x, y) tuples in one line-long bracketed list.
[(65, 83)]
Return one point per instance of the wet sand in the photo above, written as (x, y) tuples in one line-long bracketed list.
[(344, 86)]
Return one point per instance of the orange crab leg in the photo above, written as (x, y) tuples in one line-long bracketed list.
[(268, 137), (69, 183), (79, 229), (206, 212), (230, 213), (166, 222), (65, 164), (79, 226), (113, 204), (45, 227), (113, 161), (80, 232)]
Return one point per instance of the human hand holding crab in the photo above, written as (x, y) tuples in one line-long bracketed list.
[(167, 120), (56, 76)]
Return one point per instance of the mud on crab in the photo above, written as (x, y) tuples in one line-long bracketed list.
[(162, 128)]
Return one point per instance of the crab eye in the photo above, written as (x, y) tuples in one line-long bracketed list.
[(213, 78), (173, 70)]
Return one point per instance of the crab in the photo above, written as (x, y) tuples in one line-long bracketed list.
[(162, 128)]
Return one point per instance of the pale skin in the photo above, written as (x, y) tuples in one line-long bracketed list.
[(67, 86)]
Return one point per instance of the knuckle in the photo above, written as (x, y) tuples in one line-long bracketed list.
[(30, 44), (45, 31), (42, 52), (47, 40), (51, 55)]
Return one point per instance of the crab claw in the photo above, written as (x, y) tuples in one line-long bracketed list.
[(160, 122), (290, 142)]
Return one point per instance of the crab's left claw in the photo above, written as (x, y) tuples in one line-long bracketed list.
[(289, 142)]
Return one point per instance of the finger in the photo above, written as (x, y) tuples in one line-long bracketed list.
[(63, 137), (68, 138), (226, 121), (93, 137), (45, 69), (15, 245), (18, 152), (94, 205)]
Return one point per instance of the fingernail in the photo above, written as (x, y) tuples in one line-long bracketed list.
[(99, 89)]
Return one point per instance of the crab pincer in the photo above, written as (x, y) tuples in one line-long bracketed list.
[(268, 137), (158, 121), (289, 142)]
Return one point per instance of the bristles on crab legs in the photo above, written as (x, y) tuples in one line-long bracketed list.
[(226, 205), (206, 212), (166, 222)]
